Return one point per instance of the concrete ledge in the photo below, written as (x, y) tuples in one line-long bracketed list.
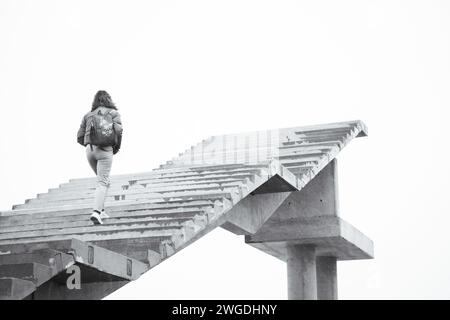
[(15, 289), (82, 253), (247, 216), (53, 290), (331, 235), (34, 272), (107, 261), (56, 260)]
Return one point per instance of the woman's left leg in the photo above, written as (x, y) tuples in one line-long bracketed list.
[(104, 163), (91, 157)]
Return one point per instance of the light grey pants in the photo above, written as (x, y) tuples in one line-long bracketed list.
[(100, 160)]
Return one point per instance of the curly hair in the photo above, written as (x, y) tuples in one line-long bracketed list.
[(102, 98)]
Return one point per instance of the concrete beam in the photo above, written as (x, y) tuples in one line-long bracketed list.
[(107, 261), (249, 214), (332, 236), (89, 254), (291, 230), (326, 268), (301, 272), (262, 211), (34, 272), (102, 271), (310, 216), (56, 260), (53, 290), (15, 289), (318, 198)]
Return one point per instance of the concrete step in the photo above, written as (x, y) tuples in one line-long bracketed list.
[(163, 176), (19, 245), (287, 163), (236, 155), (15, 289), (165, 186), (146, 249), (118, 206), (322, 133), (56, 260), (299, 170), (96, 264), (298, 156), (157, 214), (195, 176), (126, 206), (301, 160), (311, 145), (34, 272), (109, 201), (96, 229), (176, 234), (264, 147), (297, 147), (323, 138), (337, 129), (202, 179), (142, 184), (134, 193), (65, 225), (135, 246), (106, 261), (169, 197)]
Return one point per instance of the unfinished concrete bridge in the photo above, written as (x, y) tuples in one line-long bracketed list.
[(278, 188)]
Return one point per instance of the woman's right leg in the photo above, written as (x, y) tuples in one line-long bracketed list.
[(100, 162), (104, 162), (91, 156)]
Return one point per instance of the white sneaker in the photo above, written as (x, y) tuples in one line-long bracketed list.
[(104, 215), (95, 218)]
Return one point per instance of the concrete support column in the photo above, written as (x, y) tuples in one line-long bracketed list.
[(301, 272), (326, 278)]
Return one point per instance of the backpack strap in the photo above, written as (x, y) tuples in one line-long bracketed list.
[(99, 112)]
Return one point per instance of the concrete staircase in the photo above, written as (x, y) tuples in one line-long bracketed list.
[(237, 182)]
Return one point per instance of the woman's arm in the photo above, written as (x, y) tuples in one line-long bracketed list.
[(117, 122), (81, 131), (118, 129)]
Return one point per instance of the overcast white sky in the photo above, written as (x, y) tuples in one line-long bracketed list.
[(181, 71)]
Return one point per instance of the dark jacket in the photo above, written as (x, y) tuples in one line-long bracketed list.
[(83, 135)]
